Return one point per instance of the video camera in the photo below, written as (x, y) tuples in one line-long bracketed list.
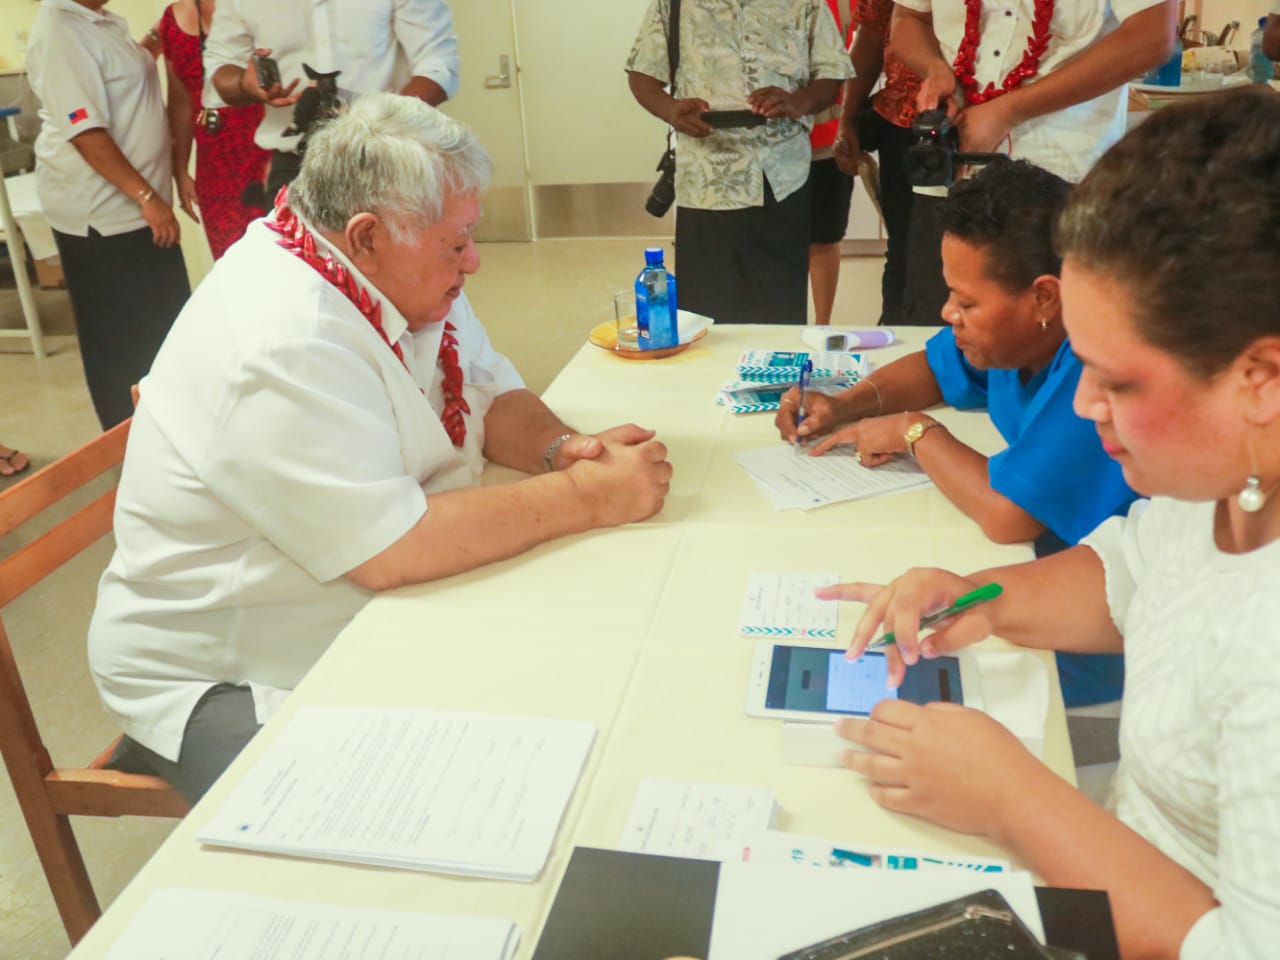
[(933, 159)]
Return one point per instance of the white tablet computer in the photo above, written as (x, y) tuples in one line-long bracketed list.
[(818, 683)]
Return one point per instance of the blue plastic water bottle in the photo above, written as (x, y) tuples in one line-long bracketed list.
[(1261, 69), (656, 303), (1169, 73)]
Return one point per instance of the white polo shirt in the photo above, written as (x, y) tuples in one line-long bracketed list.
[(279, 444), (89, 74), (1069, 141), (377, 44)]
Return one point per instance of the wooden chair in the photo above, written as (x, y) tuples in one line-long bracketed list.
[(49, 795)]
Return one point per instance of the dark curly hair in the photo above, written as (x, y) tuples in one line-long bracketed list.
[(1008, 209), (1184, 212)]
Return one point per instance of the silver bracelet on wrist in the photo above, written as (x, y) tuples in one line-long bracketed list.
[(549, 455), (879, 399)]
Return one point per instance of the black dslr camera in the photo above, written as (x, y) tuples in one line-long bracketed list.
[(933, 159), (663, 193)]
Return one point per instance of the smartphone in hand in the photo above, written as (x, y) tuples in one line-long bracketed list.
[(268, 71), (724, 119)]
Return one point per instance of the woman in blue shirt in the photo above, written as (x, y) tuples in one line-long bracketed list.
[(1005, 350)]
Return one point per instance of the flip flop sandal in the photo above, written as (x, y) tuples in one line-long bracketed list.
[(14, 471)]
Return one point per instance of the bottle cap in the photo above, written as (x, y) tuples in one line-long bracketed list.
[(653, 256)]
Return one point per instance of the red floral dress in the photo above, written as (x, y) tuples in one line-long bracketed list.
[(227, 160)]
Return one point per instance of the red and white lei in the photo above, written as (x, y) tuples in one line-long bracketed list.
[(298, 240), (1027, 67)]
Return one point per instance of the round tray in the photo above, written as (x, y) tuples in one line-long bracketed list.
[(605, 336)]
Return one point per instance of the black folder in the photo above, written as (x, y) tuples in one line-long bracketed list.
[(634, 906)]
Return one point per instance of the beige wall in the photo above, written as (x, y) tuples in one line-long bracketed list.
[(1215, 14)]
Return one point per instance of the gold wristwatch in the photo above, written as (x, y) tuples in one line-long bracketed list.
[(918, 430)]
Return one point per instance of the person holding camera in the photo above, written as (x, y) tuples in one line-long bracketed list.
[(1005, 350), (745, 89), (262, 52), (1040, 80)]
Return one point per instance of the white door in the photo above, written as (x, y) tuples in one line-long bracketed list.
[(488, 101)]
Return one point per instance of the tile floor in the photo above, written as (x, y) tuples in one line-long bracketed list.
[(537, 300)]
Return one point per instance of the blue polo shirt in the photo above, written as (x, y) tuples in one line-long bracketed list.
[(1054, 468)]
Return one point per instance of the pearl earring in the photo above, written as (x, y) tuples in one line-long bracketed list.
[(1251, 498), (1044, 323)]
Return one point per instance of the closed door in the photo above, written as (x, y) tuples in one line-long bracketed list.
[(488, 101)]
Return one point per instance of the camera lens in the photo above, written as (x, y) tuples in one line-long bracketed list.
[(661, 196)]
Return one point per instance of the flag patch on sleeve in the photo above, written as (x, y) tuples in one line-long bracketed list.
[(75, 116)]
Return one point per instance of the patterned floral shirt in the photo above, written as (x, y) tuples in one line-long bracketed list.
[(728, 48)]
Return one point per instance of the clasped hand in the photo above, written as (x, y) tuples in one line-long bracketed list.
[(622, 472)]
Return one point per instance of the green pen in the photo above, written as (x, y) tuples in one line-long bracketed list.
[(959, 605)]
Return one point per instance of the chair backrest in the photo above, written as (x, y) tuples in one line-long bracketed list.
[(30, 564), (47, 794)]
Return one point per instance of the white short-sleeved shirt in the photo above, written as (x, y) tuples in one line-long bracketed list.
[(1199, 774), (377, 44), (89, 74), (1069, 141), (279, 444)]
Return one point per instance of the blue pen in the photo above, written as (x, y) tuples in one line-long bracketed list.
[(806, 372)]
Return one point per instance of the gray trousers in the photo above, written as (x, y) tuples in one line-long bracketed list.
[(221, 724)]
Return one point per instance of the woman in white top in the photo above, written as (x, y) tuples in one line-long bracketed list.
[(1168, 285), (104, 175)]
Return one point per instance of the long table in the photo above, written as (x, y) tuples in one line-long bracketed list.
[(633, 628)]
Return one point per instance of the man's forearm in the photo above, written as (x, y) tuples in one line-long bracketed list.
[(817, 96), (867, 55), (651, 94), (426, 90), (518, 429), (474, 526), (1142, 41), (915, 43), (226, 80), (1271, 37)]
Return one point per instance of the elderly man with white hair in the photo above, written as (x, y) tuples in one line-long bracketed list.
[(313, 430)]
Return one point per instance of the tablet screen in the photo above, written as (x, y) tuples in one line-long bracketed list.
[(821, 680)]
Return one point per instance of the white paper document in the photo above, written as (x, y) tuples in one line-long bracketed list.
[(701, 821), (793, 480), (463, 793), (184, 924), (774, 846), (765, 911), (783, 605)]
